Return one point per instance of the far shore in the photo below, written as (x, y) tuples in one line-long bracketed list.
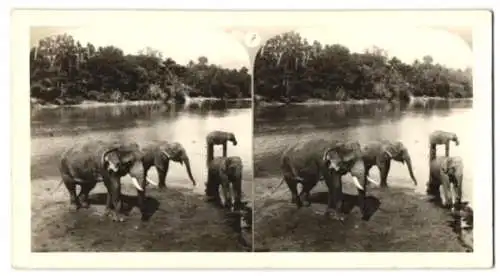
[(311, 102), (92, 104)]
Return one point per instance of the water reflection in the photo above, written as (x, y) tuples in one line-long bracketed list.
[(277, 127)]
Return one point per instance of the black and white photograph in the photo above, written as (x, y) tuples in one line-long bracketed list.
[(172, 139), (132, 137), (363, 139)]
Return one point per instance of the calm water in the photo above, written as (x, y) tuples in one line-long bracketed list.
[(53, 130), (277, 127)]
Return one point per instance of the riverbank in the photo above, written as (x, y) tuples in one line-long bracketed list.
[(36, 104), (312, 102), (180, 221), (400, 221)]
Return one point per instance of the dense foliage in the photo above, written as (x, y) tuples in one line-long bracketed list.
[(289, 68), (64, 71)]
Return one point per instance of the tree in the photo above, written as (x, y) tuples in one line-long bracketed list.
[(62, 70), (288, 68)]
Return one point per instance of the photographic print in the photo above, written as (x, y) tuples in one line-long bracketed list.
[(363, 138), (124, 124), (161, 139)]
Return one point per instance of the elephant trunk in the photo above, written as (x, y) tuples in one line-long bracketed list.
[(410, 169), (185, 160)]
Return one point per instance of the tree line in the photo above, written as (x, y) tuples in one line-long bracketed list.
[(289, 68), (63, 71)]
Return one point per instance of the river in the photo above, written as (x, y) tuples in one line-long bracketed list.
[(55, 129), (278, 126)]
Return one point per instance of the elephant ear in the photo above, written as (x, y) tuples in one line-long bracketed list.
[(445, 166), (111, 160), (387, 152), (129, 153), (331, 159), (228, 162), (174, 152), (449, 166)]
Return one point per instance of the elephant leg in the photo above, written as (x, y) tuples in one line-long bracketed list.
[(292, 185), (114, 203), (228, 201), (84, 194), (384, 166), (210, 153), (211, 186), (458, 190), (224, 150), (217, 196), (446, 197), (236, 188), (162, 170), (447, 149), (431, 186), (333, 182), (432, 152), (73, 199), (307, 186), (141, 201)]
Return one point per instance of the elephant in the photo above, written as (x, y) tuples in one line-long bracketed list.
[(226, 172), (307, 162), (218, 137), (380, 153), (440, 137), (159, 154), (446, 172), (90, 162)]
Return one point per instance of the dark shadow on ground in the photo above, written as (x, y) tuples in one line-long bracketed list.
[(182, 222), (129, 202), (372, 203), (400, 221)]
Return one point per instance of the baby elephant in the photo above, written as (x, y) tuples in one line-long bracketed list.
[(227, 172), (448, 173)]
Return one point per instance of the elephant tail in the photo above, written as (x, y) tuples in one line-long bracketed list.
[(58, 186), (272, 191)]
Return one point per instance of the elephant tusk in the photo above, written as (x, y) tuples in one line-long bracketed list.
[(356, 182), (151, 181), (136, 184), (372, 181)]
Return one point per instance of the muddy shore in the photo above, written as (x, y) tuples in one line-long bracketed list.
[(179, 221), (400, 221)]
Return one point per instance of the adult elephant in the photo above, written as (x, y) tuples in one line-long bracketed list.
[(307, 162), (440, 137), (218, 137), (380, 153), (448, 173), (227, 173), (90, 162), (159, 154)]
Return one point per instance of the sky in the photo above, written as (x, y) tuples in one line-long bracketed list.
[(184, 44), (407, 44)]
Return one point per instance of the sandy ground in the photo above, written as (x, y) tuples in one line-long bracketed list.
[(400, 221), (180, 220)]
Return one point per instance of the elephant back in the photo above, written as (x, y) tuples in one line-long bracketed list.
[(84, 160), (303, 152)]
